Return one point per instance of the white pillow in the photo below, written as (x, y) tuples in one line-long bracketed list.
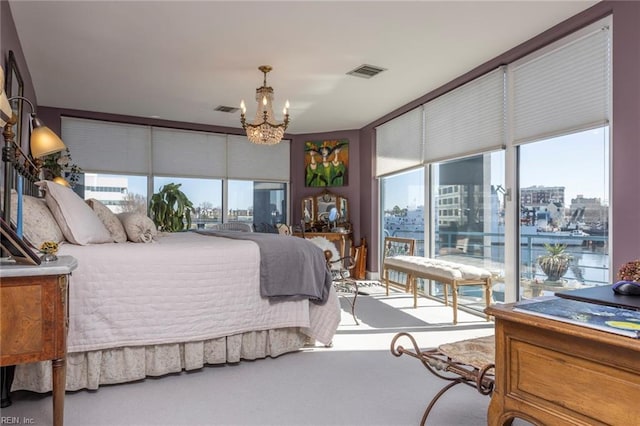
[(139, 228), (109, 219), (38, 223), (79, 224)]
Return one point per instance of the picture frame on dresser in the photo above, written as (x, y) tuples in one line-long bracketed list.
[(16, 246)]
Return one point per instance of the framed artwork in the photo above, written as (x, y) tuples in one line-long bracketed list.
[(326, 163), (16, 247)]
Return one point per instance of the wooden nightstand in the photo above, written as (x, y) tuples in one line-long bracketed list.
[(34, 318)]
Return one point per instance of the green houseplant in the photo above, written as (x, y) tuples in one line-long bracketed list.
[(556, 262), (171, 209)]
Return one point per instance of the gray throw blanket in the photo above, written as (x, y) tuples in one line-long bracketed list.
[(290, 267)]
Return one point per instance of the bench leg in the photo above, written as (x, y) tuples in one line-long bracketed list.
[(487, 295), (385, 275), (414, 288), (454, 290), (445, 288)]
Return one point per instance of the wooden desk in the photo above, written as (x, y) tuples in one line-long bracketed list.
[(553, 373), (34, 318)]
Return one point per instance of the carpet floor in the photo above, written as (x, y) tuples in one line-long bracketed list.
[(357, 381)]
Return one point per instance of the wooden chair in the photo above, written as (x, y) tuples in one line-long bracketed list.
[(396, 246), (342, 270)]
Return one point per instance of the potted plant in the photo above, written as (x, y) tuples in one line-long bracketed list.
[(60, 164), (171, 209), (556, 262)]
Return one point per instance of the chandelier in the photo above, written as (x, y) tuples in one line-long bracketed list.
[(264, 130)]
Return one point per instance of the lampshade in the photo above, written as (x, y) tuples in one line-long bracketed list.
[(43, 140), (61, 181), (264, 130)]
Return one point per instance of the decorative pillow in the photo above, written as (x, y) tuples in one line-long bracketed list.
[(139, 228), (79, 224), (109, 219), (38, 224)]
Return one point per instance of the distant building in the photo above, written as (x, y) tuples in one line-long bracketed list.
[(594, 210), (541, 196), (109, 190)]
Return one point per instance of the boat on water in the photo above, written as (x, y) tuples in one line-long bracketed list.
[(536, 236)]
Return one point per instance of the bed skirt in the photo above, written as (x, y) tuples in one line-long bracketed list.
[(89, 370)]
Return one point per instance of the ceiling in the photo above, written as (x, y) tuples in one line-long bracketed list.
[(179, 60)]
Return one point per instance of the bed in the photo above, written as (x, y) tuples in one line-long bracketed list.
[(169, 302)]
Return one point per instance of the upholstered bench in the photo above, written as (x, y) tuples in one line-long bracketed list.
[(448, 273)]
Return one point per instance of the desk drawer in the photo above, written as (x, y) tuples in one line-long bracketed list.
[(29, 319), (573, 384)]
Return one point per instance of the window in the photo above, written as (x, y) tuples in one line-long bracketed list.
[(120, 193), (257, 202), (402, 200), (564, 200), (471, 231), (204, 194)]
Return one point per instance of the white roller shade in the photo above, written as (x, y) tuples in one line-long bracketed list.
[(467, 120), (246, 160), (188, 153), (563, 88), (101, 146), (399, 143)]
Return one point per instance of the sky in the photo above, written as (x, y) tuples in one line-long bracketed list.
[(579, 162)]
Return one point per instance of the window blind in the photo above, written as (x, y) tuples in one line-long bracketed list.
[(246, 160), (399, 143), (563, 88), (468, 120), (102, 146), (188, 153)]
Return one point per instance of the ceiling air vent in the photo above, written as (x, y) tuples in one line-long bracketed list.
[(366, 71), (228, 109)]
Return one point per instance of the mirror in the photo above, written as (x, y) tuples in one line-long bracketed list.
[(333, 214), (325, 212), (307, 210)]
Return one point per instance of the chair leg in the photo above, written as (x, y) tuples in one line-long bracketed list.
[(353, 302)]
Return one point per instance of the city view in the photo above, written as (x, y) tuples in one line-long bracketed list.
[(561, 202)]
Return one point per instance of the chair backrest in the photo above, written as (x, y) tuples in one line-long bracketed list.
[(265, 228), (396, 246), (236, 226)]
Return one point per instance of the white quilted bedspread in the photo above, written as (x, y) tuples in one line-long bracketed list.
[(184, 287)]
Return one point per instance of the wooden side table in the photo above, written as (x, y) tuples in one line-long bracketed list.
[(34, 318), (553, 373)]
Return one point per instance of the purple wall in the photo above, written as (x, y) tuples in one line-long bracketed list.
[(9, 41), (362, 189), (351, 191)]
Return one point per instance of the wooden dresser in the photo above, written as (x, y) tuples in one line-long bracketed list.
[(554, 373), (34, 319)]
